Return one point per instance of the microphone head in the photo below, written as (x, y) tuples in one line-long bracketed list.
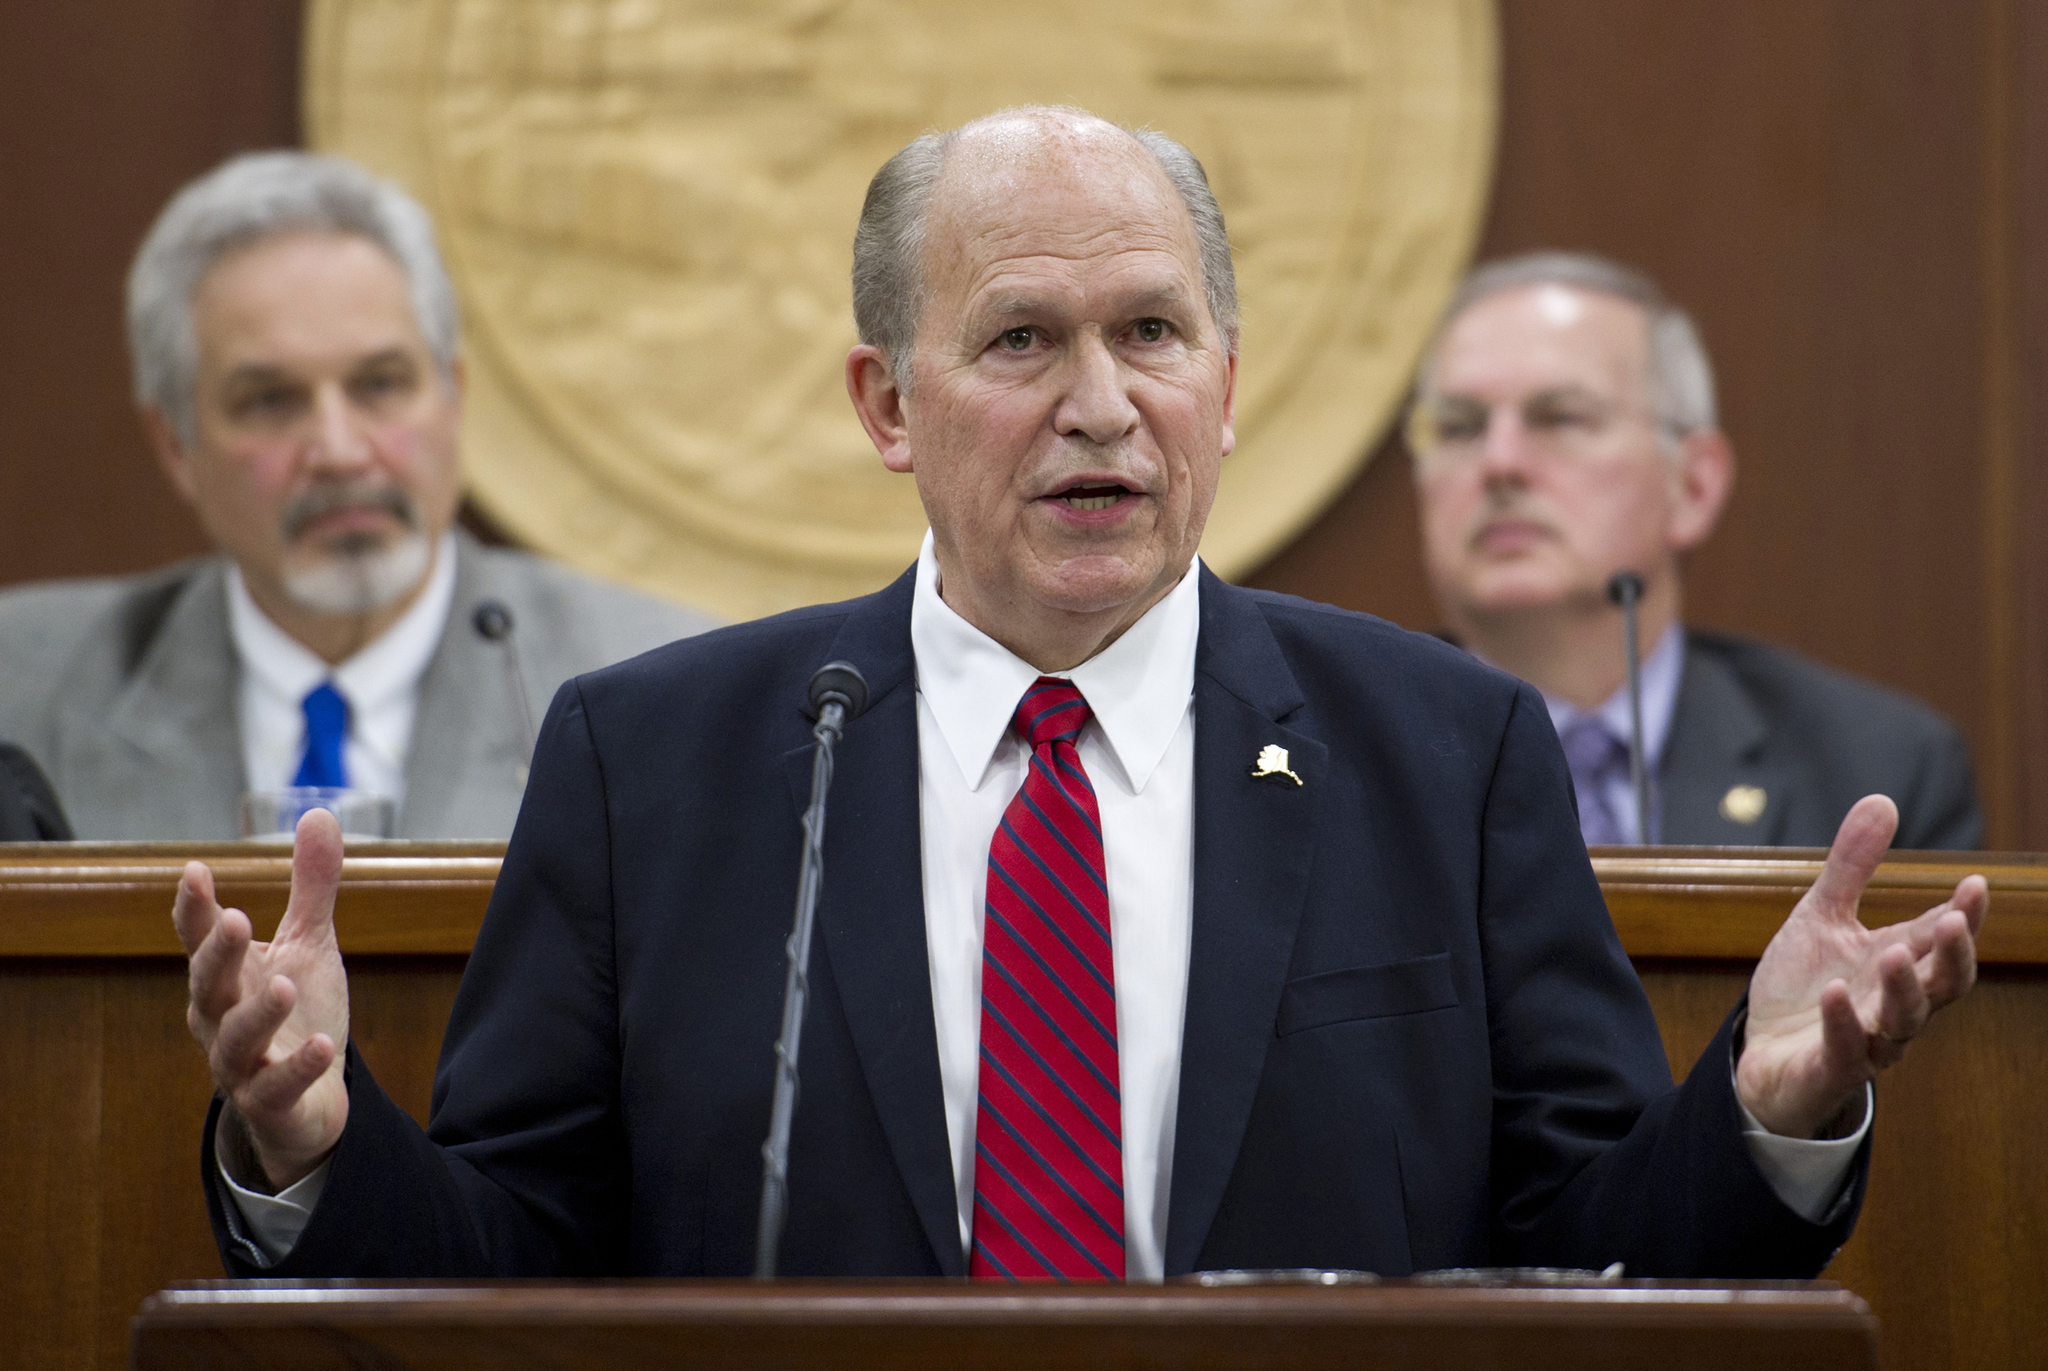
[(492, 621), (839, 681), (1625, 588)]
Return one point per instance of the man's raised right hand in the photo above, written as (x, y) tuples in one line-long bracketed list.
[(273, 1016)]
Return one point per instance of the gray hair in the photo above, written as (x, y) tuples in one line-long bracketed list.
[(888, 246), (243, 201), (1680, 378)]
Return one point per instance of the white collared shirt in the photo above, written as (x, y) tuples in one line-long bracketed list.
[(1662, 673), (380, 682), (1139, 753)]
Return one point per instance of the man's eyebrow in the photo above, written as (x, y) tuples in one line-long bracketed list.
[(256, 373), (1157, 298)]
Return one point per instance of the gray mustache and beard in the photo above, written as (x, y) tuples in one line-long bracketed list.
[(353, 573)]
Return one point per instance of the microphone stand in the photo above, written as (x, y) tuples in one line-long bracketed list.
[(493, 623), (838, 693), (1625, 590)]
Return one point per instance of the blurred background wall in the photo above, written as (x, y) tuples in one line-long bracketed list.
[(1850, 195)]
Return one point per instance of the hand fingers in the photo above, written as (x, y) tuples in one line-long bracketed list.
[(194, 910), (216, 968), (1860, 844), (1845, 1043), (1973, 897), (1901, 1006), (1950, 968), (246, 1031), (275, 1088), (316, 877)]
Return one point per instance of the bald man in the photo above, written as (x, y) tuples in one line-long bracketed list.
[(1165, 926)]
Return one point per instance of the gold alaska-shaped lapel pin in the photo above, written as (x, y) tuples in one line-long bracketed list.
[(1272, 766)]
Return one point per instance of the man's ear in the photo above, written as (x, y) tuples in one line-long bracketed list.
[(871, 384), (1702, 480), (1230, 403), (170, 454)]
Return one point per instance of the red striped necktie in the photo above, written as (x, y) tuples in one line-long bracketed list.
[(1048, 1137)]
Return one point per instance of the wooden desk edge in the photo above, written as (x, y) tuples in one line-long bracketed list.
[(113, 900), (1658, 1303)]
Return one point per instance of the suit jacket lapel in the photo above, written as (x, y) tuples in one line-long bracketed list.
[(871, 908), (462, 765), (166, 760), (1717, 738), (1254, 842)]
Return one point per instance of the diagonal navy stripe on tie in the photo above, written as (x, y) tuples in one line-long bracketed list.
[(1033, 808), (1066, 780), (1030, 935), (1009, 831), (1087, 1110), (1108, 1031), (985, 1157), (1011, 1130), (1053, 926), (984, 1205)]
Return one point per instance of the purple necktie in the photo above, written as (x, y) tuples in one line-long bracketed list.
[(1597, 759)]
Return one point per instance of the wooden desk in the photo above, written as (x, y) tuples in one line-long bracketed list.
[(100, 1203), (935, 1326)]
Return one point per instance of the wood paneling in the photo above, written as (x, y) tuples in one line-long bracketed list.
[(102, 1150), (107, 106)]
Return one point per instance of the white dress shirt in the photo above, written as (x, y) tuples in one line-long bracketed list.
[(1138, 751), (381, 684)]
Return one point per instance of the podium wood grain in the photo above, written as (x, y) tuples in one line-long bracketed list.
[(933, 1326), (100, 1203)]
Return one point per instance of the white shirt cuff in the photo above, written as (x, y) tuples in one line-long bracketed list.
[(1806, 1174), (269, 1225)]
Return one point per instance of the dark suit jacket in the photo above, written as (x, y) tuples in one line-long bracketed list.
[(1814, 741), (1412, 1038), (29, 812)]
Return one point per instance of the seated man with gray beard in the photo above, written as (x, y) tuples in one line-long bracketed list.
[(297, 361)]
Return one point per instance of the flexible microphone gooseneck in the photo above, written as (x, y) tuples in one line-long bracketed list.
[(1625, 590), (493, 623), (838, 694)]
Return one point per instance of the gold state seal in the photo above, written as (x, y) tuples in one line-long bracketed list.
[(649, 208)]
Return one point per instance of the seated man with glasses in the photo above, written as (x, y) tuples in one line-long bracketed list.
[(1564, 431)]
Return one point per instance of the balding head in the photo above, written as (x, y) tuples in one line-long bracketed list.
[(981, 159), (1054, 312)]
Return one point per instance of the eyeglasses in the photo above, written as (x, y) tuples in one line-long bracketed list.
[(1569, 424)]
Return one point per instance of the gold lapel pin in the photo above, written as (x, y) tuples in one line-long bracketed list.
[(1744, 804), (1272, 766)]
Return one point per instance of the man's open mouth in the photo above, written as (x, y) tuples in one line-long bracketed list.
[(1088, 497)]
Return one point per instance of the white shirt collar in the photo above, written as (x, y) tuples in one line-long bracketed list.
[(384, 669), (1138, 687), (1662, 674)]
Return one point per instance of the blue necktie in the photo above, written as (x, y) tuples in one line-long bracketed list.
[(326, 731)]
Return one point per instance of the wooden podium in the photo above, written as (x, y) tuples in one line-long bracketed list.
[(919, 1326), (100, 1202)]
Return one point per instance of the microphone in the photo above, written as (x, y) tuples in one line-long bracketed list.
[(838, 693), (1625, 589), (493, 623)]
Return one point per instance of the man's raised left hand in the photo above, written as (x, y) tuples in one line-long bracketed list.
[(1833, 1003)]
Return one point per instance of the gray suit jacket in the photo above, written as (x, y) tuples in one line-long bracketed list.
[(1813, 741), (123, 690)]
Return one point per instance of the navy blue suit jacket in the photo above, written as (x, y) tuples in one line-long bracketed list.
[(1412, 1037)]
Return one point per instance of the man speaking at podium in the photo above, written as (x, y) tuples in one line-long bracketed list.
[(1166, 925)]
